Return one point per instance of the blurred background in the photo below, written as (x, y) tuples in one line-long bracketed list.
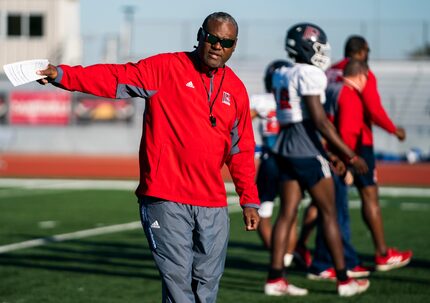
[(44, 130)]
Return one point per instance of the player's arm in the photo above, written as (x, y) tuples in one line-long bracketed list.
[(378, 115), (328, 131), (336, 164)]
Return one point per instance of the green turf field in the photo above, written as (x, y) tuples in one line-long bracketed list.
[(117, 267)]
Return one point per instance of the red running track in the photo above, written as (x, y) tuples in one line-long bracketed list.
[(127, 167)]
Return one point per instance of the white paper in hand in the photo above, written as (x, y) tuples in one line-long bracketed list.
[(25, 71)]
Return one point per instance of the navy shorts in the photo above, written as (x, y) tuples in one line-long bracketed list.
[(307, 171), (369, 178), (268, 177)]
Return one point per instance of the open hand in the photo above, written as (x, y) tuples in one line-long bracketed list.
[(50, 72)]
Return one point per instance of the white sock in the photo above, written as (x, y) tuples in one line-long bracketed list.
[(288, 258)]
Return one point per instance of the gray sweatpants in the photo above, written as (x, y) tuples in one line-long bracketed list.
[(189, 246)]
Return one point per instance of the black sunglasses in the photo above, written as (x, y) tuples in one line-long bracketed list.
[(225, 43)]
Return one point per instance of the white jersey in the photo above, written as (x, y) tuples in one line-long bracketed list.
[(265, 106), (300, 139), (291, 84)]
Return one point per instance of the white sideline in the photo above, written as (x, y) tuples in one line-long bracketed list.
[(233, 202), (131, 185)]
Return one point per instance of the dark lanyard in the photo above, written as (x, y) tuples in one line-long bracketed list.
[(212, 119)]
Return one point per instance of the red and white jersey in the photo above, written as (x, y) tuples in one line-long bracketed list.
[(290, 84), (265, 106)]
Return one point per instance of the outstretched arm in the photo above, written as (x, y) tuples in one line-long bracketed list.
[(118, 81)]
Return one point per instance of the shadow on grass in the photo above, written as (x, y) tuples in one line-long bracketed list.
[(246, 264), (100, 258)]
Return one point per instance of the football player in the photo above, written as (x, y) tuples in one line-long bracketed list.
[(263, 108), (299, 93)]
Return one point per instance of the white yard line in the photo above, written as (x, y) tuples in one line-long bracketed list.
[(233, 203), (404, 191), (15, 187), (70, 236), (67, 184)]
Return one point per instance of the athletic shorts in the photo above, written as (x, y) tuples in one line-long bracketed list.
[(268, 177), (369, 178), (307, 171)]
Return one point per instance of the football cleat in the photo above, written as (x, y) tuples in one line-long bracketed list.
[(393, 259), (352, 287), (358, 271), (326, 275), (281, 287)]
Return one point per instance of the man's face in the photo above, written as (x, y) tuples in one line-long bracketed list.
[(363, 55), (215, 55), (366, 52)]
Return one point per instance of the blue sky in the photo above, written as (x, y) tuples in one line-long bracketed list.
[(392, 27)]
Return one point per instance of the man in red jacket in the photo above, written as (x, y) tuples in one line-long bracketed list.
[(386, 258), (196, 119)]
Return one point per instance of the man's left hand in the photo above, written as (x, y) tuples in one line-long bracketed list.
[(251, 218)]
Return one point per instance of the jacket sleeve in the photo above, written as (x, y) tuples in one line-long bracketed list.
[(240, 162), (141, 79), (373, 105)]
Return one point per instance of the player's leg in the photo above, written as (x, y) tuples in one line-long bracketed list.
[(317, 179), (265, 225), (385, 258), (322, 263), (323, 195), (372, 216), (276, 284), (302, 254), (268, 188), (370, 210), (291, 244), (291, 194), (353, 262)]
